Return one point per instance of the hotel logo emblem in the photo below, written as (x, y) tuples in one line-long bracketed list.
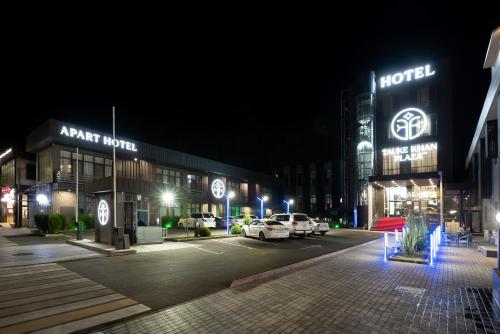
[(218, 188), (103, 212), (409, 123)]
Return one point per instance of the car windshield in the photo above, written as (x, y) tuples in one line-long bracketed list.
[(300, 217), (273, 222), (208, 215)]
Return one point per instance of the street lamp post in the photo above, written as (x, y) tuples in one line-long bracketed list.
[(228, 197), (498, 241), (262, 200), (290, 201)]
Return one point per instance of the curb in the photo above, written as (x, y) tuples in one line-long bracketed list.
[(112, 252), (199, 238), (275, 273)]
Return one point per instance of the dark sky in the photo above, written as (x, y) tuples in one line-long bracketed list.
[(253, 90)]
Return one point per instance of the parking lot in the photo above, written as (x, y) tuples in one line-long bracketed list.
[(163, 278)]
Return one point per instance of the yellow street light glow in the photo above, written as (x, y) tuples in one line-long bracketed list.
[(290, 201), (231, 194), (265, 198)]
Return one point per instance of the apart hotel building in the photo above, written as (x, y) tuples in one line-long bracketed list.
[(144, 173)]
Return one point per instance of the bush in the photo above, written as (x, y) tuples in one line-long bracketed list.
[(42, 222), (415, 235), (204, 232), (168, 221), (87, 220), (247, 219), (52, 222), (236, 230)]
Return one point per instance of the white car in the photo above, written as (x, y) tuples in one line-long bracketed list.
[(240, 220), (265, 229), (319, 227), (204, 219), (297, 223)]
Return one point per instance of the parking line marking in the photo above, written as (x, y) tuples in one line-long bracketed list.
[(206, 250), (312, 246), (234, 244)]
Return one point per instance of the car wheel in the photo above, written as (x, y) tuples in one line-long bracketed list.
[(262, 237), (323, 233)]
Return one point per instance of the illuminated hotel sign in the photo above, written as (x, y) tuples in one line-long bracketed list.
[(406, 76), (410, 153), (97, 138), (409, 124), (218, 188)]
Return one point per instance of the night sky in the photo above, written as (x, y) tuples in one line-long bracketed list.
[(252, 91)]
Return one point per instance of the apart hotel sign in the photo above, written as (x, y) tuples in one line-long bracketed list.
[(97, 138)]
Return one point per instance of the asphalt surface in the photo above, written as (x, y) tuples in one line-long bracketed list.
[(164, 278)]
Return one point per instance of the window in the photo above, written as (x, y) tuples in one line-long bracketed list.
[(169, 177), (328, 201), (45, 166), (328, 175), (389, 165), (65, 162), (8, 175), (423, 97), (108, 167), (194, 182), (88, 166), (99, 167), (313, 203), (300, 180), (427, 164), (313, 177)]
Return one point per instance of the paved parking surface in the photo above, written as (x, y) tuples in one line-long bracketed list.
[(48, 298), (161, 278), (18, 251), (354, 292)]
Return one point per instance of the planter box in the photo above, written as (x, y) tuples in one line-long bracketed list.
[(149, 235)]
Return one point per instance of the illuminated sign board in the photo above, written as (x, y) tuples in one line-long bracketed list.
[(409, 123), (103, 212), (218, 188), (97, 138), (5, 153), (410, 153), (408, 75)]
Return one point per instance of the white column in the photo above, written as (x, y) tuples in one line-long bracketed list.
[(76, 180), (114, 171)]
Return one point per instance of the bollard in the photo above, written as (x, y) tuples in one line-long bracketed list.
[(385, 246), (79, 230)]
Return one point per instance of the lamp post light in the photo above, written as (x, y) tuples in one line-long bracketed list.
[(262, 200), (228, 197), (497, 217), (167, 198), (288, 203)]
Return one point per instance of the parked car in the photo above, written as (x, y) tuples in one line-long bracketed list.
[(265, 229), (319, 227), (240, 220), (204, 219), (232, 221), (297, 223)]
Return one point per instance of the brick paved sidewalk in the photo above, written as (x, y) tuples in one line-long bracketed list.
[(355, 292)]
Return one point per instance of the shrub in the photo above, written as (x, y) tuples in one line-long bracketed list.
[(415, 235), (247, 219), (42, 222), (52, 222), (169, 221), (236, 230), (87, 220), (204, 232)]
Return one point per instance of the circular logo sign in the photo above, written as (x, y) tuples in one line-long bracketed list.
[(103, 212), (218, 188), (409, 124)]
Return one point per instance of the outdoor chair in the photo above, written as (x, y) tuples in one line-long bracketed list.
[(450, 239), (464, 240)]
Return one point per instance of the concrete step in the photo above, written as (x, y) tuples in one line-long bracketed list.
[(488, 250)]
